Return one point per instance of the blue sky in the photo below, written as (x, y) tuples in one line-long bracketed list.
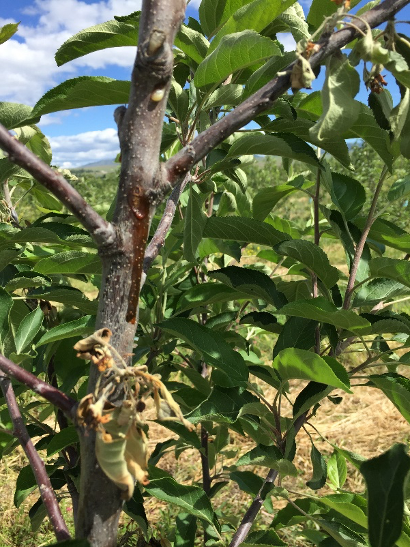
[(29, 70)]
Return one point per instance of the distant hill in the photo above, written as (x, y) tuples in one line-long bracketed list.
[(99, 166)]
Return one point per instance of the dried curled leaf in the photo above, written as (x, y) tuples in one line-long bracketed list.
[(95, 349), (136, 454), (302, 74)]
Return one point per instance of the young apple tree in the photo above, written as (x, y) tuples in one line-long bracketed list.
[(180, 327)]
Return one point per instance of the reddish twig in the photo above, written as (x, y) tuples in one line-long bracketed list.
[(37, 465), (158, 239), (102, 231), (53, 395)]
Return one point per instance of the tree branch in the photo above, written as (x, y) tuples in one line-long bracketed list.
[(251, 514), (102, 231), (264, 98), (158, 239), (53, 395), (37, 465)]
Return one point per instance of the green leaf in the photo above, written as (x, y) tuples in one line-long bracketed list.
[(234, 52), (385, 478), (320, 9), (28, 329), (192, 43), (243, 229), (296, 333), (377, 290), (397, 389), (319, 469), (337, 469), (344, 504), (15, 115), (283, 144), (195, 221), (8, 256), (6, 303), (62, 439), (300, 127), (80, 327), (254, 15), (205, 294), (293, 363), (267, 71), (7, 31), (102, 36), (70, 262), (68, 296), (313, 257), (391, 268), (222, 406), (251, 282), (365, 127), (266, 199), (348, 195), (247, 481), (25, 484), (83, 92), (230, 95), (211, 345), (311, 395), (387, 233), (213, 13), (400, 189), (263, 538), (339, 110), (26, 280), (190, 498), (320, 309), (268, 456), (178, 100), (263, 320), (185, 530)]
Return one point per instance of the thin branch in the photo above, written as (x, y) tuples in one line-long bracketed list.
[(37, 465), (360, 246), (102, 231), (254, 508), (264, 98), (53, 395), (158, 239)]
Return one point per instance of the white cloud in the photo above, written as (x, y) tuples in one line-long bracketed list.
[(28, 65), (84, 148)]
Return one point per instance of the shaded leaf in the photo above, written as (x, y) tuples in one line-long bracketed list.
[(243, 229), (222, 406), (70, 262), (296, 333), (251, 282), (195, 221), (397, 389), (319, 469), (190, 498), (339, 110), (320, 309), (385, 478), (282, 144), (347, 194), (211, 345), (62, 439), (313, 257)]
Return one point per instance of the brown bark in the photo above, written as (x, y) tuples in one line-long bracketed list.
[(141, 188)]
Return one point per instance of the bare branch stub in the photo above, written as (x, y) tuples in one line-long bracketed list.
[(264, 98), (100, 230), (37, 465)]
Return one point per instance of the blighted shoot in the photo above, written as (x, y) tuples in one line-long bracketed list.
[(121, 440)]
